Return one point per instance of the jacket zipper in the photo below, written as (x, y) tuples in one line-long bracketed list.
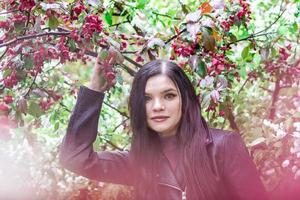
[(183, 193)]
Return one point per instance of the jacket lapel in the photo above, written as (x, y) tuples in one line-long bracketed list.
[(166, 175)]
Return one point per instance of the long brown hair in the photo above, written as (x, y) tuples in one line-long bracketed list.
[(192, 135)]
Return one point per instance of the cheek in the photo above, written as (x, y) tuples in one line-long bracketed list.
[(147, 110), (179, 111)]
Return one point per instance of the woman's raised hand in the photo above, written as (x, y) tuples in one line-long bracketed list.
[(103, 76)]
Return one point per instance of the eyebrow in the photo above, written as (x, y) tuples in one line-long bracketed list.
[(165, 91)]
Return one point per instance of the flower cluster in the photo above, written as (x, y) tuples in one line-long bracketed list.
[(218, 63), (3, 109), (243, 14), (45, 104), (93, 24), (289, 72), (184, 50), (26, 5), (64, 51), (11, 80), (76, 11)]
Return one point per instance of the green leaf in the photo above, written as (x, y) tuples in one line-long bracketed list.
[(294, 27), (273, 52), (202, 70), (53, 22), (28, 62), (141, 4), (245, 52), (81, 17), (103, 54), (35, 110), (72, 45), (108, 18), (231, 77), (243, 72), (56, 126)]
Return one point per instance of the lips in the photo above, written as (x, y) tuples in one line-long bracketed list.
[(159, 118)]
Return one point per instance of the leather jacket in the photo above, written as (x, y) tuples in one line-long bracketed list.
[(237, 175)]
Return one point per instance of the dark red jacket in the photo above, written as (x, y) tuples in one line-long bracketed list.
[(238, 177)]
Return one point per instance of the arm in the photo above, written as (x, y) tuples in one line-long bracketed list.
[(241, 177), (77, 154)]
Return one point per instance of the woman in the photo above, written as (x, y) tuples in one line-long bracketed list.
[(173, 155)]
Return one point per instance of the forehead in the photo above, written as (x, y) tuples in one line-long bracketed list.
[(159, 83)]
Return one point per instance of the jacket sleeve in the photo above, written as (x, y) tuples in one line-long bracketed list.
[(241, 176), (76, 151)]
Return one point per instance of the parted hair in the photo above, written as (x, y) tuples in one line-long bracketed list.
[(192, 135)]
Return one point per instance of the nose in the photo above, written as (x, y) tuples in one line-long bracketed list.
[(158, 105)]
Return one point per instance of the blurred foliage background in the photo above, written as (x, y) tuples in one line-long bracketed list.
[(242, 56)]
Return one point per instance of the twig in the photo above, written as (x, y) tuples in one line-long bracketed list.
[(250, 36), (60, 103), (110, 142), (27, 22), (164, 15), (243, 85), (119, 125), (31, 85), (129, 52), (117, 24), (266, 89), (175, 36), (278, 17), (2, 56), (121, 113), (132, 61), (128, 69), (259, 32)]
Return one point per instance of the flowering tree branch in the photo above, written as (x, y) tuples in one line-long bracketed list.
[(20, 38)]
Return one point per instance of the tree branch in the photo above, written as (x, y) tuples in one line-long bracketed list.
[(32, 36), (230, 116), (275, 96), (7, 12)]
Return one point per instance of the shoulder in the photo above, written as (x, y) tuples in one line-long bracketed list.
[(223, 138), (221, 135)]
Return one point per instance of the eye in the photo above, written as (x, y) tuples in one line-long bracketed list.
[(147, 98), (170, 96)]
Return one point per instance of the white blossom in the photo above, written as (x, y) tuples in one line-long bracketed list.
[(193, 17), (218, 4), (208, 81), (285, 163), (208, 22), (155, 42)]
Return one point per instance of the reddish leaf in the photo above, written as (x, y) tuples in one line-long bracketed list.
[(205, 8), (208, 40), (176, 30)]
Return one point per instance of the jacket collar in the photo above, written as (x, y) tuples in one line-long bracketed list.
[(166, 175)]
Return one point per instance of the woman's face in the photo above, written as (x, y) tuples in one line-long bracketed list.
[(163, 105)]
